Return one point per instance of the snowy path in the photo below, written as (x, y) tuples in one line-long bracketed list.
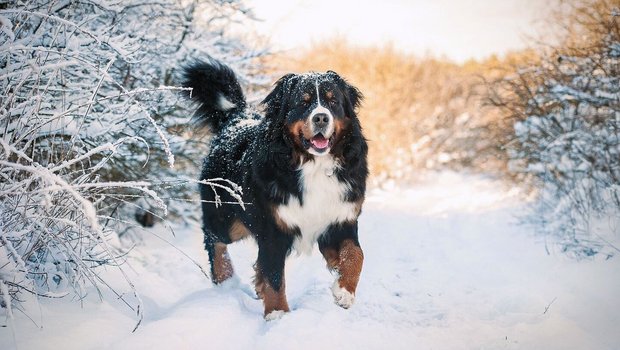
[(445, 268)]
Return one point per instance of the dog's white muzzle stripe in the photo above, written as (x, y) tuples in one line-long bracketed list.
[(319, 109)]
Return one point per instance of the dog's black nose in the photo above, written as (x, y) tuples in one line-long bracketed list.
[(320, 120)]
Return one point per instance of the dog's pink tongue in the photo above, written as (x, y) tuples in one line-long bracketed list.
[(320, 142)]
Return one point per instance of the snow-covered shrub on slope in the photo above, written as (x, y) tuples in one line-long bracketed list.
[(90, 122), (568, 134)]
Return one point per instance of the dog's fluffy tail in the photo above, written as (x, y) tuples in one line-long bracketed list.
[(217, 91)]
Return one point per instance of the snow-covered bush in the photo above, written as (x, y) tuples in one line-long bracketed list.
[(90, 122), (567, 134)]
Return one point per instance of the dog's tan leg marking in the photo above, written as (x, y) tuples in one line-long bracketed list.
[(348, 263), (222, 266), (238, 231), (273, 300), (331, 257), (350, 260)]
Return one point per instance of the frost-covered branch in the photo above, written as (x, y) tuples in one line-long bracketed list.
[(90, 115)]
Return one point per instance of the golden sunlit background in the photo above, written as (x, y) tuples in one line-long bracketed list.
[(422, 66)]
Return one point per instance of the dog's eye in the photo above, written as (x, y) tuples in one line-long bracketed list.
[(305, 98), (331, 99)]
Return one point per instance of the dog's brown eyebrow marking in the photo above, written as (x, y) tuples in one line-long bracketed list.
[(306, 97), (329, 94)]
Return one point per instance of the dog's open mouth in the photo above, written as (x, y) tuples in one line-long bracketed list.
[(318, 143)]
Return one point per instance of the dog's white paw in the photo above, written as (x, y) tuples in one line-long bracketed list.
[(274, 315), (342, 297)]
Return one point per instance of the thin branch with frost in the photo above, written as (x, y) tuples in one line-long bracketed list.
[(52, 17), (233, 189)]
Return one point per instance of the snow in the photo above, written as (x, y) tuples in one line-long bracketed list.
[(446, 267)]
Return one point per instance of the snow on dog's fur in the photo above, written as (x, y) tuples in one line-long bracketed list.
[(302, 167)]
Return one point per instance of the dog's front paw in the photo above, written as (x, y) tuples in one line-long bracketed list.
[(274, 315), (342, 297)]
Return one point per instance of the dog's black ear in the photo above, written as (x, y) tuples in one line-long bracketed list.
[(279, 95), (353, 96)]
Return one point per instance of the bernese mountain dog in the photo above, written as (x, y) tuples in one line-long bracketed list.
[(302, 168)]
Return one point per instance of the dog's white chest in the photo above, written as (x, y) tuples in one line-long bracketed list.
[(323, 203)]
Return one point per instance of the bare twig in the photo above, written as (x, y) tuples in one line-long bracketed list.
[(549, 305)]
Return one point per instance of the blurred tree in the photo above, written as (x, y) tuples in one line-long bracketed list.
[(566, 136)]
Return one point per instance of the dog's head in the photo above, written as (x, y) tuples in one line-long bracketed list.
[(315, 110)]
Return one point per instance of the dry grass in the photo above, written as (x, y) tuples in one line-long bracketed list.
[(418, 113)]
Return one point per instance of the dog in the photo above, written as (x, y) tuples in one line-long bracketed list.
[(302, 166)]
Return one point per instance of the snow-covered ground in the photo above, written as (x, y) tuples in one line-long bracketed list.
[(446, 267)]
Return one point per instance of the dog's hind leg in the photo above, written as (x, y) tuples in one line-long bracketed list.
[(219, 260)]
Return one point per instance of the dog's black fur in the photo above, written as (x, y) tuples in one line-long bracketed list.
[(264, 156)]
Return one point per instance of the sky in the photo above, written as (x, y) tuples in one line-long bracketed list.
[(455, 29)]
